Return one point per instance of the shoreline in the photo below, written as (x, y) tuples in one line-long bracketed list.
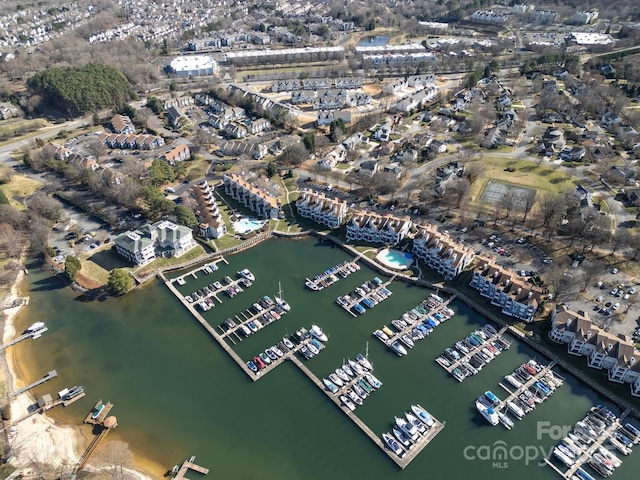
[(39, 437)]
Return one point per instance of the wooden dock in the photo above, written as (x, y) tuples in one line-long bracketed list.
[(47, 377), (99, 420), (189, 465), (408, 456), (514, 394), (89, 451), (590, 450), (247, 316), (331, 276), (10, 343), (348, 306), (193, 273), (473, 351)]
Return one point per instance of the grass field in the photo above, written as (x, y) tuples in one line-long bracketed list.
[(20, 187), (95, 272), (526, 174), (163, 262)]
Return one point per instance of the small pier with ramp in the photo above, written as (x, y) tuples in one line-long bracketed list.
[(102, 410), (331, 276), (455, 364), (46, 378), (18, 339), (348, 305), (534, 378), (181, 472)]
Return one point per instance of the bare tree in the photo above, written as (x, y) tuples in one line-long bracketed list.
[(45, 206), (550, 207), (115, 458), (472, 171), (590, 271), (97, 149), (621, 238)]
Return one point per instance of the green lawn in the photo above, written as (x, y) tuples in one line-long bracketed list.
[(165, 262), (94, 272)]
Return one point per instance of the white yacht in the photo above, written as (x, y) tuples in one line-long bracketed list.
[(406, 427), (488, 413), (317, 332), (36, 329), (246, 273), (398, 348), (515, 409)]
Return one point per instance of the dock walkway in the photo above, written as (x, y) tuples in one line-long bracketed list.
[(403, 461), (99, 420), (348, 306), (473, 351), (189, 465), (47, 377), (329, 277), (514, 394), (247, 317), (10, 343)]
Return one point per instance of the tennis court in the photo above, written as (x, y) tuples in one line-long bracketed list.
[(495, 191)]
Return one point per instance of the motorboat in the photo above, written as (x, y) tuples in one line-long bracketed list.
[(488, 413), (313, 349), (277, 351), (462, 348), (317, 332), (413, 420), (492, 398), (615, 461), (635, 433), (347, 403), (347, 369), (406, 427), (257, 323), (458, 374), (513, 381), (360, 391), (393, 445), (332, 387), (443, 362), (355, 366), (452, 354), (336, 380), (252, 366), (406, 339), (364, 385), (265, 358), (258, 361), (246, 273), (398, 348), (515, 409), (271, 354), (97, 411), (36, 330), (342, 375), (359, 308), (606, 464), (381, 335), (72, 392), (252, 326), (305, 352), (505, 420), (245, 330), (373, 381), (387, 331), (490, 330), (362, 360), (423, 415), (355, 398), (402, 437), (560, 455)]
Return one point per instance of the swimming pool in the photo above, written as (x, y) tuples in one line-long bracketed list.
[(245, 225), (395, 259)]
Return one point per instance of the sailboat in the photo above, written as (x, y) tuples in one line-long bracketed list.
[(280, 299)]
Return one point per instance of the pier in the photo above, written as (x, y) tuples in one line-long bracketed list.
[(409, 455), (534, 378), (348, 305), (189, 465), (106, 427), (473, 351), (10, 343), (193, 273), (246, 317), (98, 420), (590, 450), (47, 377), (329, 277)]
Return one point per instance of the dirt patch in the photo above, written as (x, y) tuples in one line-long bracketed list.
[(86, 282)]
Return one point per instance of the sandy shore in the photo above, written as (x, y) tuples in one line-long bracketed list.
[(37, 439)]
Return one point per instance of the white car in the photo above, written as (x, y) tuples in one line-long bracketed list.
[(632, 290), (614, 291), (614, 271), (599, 298), (615, 306), (599, 284)]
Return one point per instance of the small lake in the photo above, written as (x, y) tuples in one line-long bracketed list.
[(377, 41)]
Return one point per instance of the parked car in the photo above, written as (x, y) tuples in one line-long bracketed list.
[(616, 306), (632, 290), (599, 284), (599, 298), (614, 271), (613, 291)]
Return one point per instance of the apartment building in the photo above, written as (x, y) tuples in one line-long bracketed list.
[(211, 222), (374, 228), (321, 209), (441, 252), (162, 238), (252, 197), (516, 297)]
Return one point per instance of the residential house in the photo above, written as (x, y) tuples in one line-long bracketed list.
[(211, 222), (161, 238), (302, 97), (516, 297), (236, 130), (317, 84), (352, 142), (8, 110), (441, 252), (604, 350), (259, 125), (251, 149), (609, 118), (59, 152), (331, 159), (395, 86), (621, 176), (325, 117), (178, 153), (122, 124), (350, 83), (383, 132), (177, 120), (258, 201), (217, 121), (369, 166), (584, 195), (142, 142), (285, 86), (394, 169), (330, 100), (573, 154), (417, 100), (375, 228), (439, 146), (321, 209), (552, 141), (632, 195), (421, 81)]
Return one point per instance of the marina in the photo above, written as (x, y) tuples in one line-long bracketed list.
[(584, 446), (415, 324), (264, 312), (370, 293), (203, 296), (470, 353), (207, 268), (332, 275)]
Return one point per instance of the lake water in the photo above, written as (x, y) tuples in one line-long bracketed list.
[(176, 393), (377, 41)]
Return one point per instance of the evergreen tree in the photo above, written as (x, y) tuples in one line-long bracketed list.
[(119, 281), (71, 267)]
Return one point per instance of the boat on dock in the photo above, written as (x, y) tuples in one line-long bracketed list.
[(373, 381), (317, 332), (402, 437), (392, 444), (246, 273), (492, 398), (505, 420), (342, 375), (355, 366), (336, 380), (97, 411), (398, 348), (332, 387), (488, 413), (423, 415), (380, 335), (515, 409), (413, 420), (362, 360), (348, 403), (36, 330), (406, 427), (513, 381), (72, 392)]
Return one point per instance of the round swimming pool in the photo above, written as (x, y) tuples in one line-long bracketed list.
[(245, 225), (395, 259)]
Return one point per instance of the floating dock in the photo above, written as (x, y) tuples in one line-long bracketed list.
[(348, 305), (189, 465), (246, 317), (590, 450), (329, 277), (455, 364), (534, 378), (22, 337), (98, 420), (403, 461), (193, 273)]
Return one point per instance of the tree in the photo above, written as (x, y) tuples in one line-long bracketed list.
[(590, 271), (116, 458), (292, 155), (337, 129), (155, 104), (185, 216), (272, 169), (309, 141), (97, 149), (550, 206), (71, 267), (472, 171), (119, 281), (45, 206)]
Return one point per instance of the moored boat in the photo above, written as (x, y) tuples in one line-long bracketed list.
[(356, 367), (505, 420), (348, 403), (413, 420), (398, 348), (402, 437), (515, 409), (423, 415), (246, 273), (332, 387), (406, 427), (317, 332), (362, 360), (393, 445), (373, 381), (488, 413), (342, 375), (336, 380), (36, 330), (252, 366)]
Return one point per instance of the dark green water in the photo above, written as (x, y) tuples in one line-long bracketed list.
[(177, 394)]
